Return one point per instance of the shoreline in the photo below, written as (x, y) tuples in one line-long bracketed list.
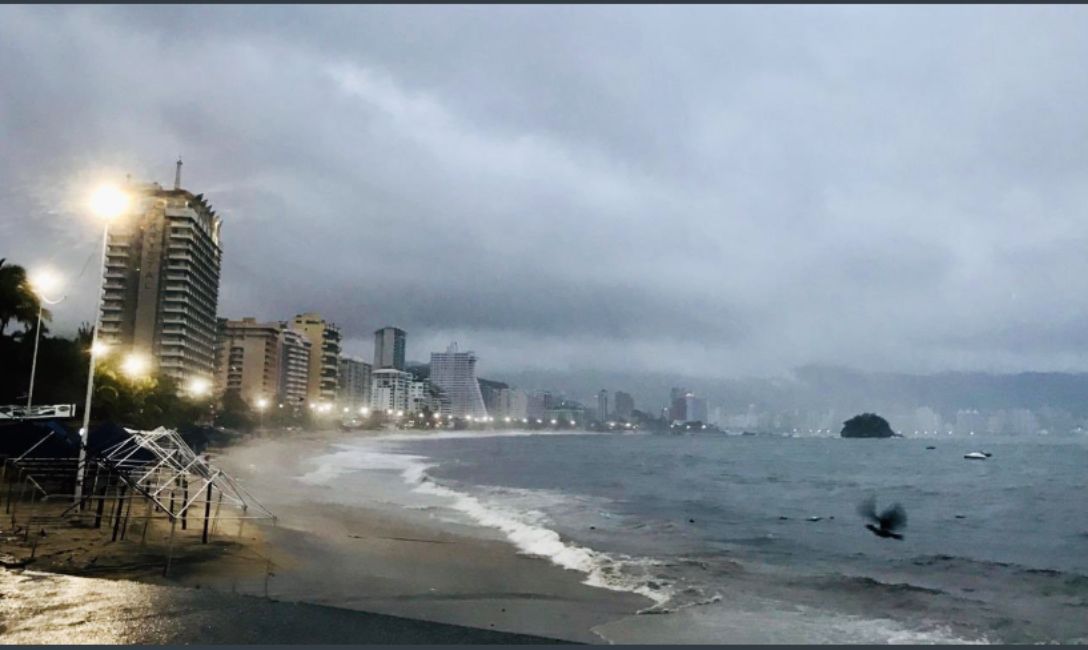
[(363, 555), (359, 546)]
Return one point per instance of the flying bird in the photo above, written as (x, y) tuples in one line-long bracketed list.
[(886, 523)]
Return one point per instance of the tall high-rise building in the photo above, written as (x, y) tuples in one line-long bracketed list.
[(162, 281), (624, 405), (677, 409), (455, 373), (389, 348), (324, 356), (695, 408), (602, 405), (294, 382), (354, 383)]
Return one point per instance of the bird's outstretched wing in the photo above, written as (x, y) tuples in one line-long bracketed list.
[(867, 509), (893, 518)]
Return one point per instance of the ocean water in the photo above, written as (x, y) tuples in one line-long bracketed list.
[(757, 539)]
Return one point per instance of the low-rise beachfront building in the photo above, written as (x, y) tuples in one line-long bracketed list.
[(389, 390), (354, 383)]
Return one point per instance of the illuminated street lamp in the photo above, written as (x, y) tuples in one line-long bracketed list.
[(41, 283), (198, 386), (107, 203), (136, 365), (262, 404)]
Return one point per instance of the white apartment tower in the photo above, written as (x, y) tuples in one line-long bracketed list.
[(455, 373), (294, 366), (389, 390)]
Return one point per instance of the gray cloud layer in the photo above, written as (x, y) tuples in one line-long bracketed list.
[(720, 190)]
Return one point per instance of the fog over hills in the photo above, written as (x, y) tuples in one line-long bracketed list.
[(826, 387)]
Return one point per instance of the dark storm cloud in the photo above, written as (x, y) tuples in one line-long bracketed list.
[(722, 190)]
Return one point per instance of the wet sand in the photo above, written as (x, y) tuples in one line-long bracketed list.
[(325, 549), (48, 608)]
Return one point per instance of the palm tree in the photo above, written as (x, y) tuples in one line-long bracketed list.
[(18, 302)]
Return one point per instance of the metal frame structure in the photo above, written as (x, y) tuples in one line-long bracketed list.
[(156, 468)]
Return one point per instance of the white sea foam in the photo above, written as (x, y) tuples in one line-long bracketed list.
[(351, 458), (753, 620), (524, 527), (532, 538), (454, 434)]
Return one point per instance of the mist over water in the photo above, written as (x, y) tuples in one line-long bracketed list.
[(716, 531)]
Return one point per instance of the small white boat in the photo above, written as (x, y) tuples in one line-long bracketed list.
[(976, 455)]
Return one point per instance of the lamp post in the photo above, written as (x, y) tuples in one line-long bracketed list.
[(262, 404), (107, 203), (41, 283)]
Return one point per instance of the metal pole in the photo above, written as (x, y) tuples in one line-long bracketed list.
[(207, 513), (170, 547), (34, 359), (86, 430)]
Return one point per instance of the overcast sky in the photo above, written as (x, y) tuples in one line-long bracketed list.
[(723, 191)]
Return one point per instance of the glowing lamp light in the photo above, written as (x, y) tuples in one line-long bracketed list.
[(44, 282), (555, 421), (199, 386), (136, 365), (572, 423), (100, 349), (262, 403), (109, 202), (364, 411)]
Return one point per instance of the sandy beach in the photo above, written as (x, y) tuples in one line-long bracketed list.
[(347, 551)]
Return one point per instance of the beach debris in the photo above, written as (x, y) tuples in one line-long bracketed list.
[(976, 455), (930, 447), (961, 516), (815, 518), (886, 523), (783, 518), (12, 562), (691, 521)]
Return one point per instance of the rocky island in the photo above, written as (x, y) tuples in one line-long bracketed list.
[(867, 425)]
